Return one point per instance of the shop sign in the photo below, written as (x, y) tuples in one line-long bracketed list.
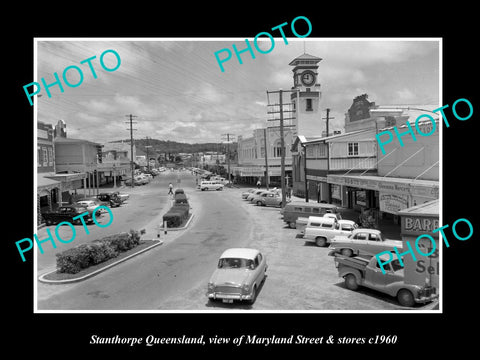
[(402, 188), (392, 203), (415, 225)]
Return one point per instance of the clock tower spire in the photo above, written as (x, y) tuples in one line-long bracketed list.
[(306, 99)]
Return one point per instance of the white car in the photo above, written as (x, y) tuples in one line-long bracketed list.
[(239, 275), (90, 205), (210, 185)]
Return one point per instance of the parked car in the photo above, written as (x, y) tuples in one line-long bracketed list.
[(363, 242), (248, 192), (365, 271), (253, 194), (257, 197), (91, 205), (270, 199), (136, 181), (143, 179), (123, 196), (210, 185), (321, 230), (239, 274), (296, 209), (67, 213), (110, 199)]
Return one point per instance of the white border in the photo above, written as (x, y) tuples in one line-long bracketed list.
[(246, 311)]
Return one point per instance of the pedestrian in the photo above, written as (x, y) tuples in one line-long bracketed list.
[(258, 184), (289, 193), (170, 189)]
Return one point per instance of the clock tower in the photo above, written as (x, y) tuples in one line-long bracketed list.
[(306, 98)]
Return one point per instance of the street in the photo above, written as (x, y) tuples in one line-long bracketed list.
[(174, 276)]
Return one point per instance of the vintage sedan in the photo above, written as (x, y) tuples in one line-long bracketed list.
[(363, 242), (269, 199), (91, 205), (239, 274), (248, 192), (254, 193)]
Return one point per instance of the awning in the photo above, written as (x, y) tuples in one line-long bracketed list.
[(425, 188), (44, 183)]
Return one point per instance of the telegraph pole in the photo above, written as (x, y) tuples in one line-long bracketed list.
[(132, 167), (328, 120), (328, 152), (267, 177), (282, 140), (228, 154)]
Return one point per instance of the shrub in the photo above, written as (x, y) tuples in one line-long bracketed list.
[(73, 260), (181, 198), (182, 209), (173, 219)]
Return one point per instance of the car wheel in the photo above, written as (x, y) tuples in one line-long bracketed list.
[(320, 241), (347, 252), (280, 205), (351, 282), (405, 298), (259, 203), (206, 188), (254, 295), (292, 225)]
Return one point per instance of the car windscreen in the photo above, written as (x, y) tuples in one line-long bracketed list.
[(234, 263)]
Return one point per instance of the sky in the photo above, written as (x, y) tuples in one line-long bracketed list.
[(175, 89)]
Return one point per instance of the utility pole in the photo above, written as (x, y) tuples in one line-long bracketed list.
[(328, 150), (132, 167), (282, 140), (147, 147), (267, 177), (228, 154), (328, 120)]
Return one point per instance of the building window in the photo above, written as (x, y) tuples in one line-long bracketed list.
[(322, 150), (352, 149), (309, 105), (262, 152), (39, 156), (50, 156), (310, 151), (45, 157), (277, 149)]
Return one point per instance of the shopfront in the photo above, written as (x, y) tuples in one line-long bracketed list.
[(384, 196), (416, 221)]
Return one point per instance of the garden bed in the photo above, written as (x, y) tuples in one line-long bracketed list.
[(58, 276)]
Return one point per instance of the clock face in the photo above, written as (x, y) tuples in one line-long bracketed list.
[(308, 78)]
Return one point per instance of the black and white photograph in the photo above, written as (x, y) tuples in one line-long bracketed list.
[(299, 181)]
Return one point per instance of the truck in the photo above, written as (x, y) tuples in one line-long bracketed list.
[(67, 213), (365, 271), (322, 230)]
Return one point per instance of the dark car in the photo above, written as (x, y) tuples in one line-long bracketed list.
[(179, 191), (110, 199), (67, 213)]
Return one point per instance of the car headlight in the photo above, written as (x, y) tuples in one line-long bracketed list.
[(211, 286), (246, 288)]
